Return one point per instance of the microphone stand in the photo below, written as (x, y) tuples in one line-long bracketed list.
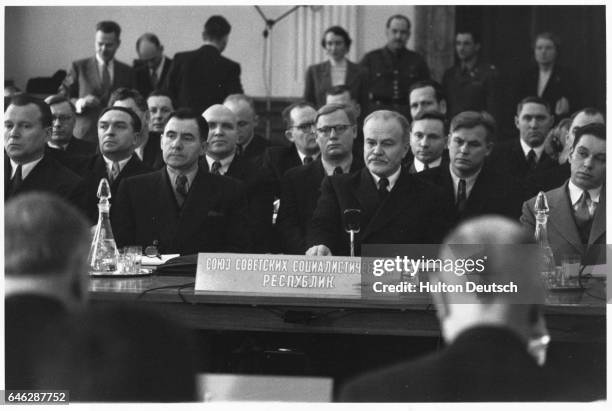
[(268, 58)]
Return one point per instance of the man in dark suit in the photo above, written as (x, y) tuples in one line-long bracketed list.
[(489, 354), (27, 129), (577, 216), (182, 208), (203, 77), (160, 107), (148, 149), (153, 66), (395, 206), (64, 120), (342, 95), (118, 130), (90, 81), (45, 260), (221, 158), (250, 145), (300, 123), (525, 156), (336, 132), (471, 186), (428, 141)]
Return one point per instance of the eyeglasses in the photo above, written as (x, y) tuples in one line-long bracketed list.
[(304, 128), (339, 129)]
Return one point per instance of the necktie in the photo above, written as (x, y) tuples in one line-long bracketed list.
[(383, 183), (154, 78), (114, 172), (425, 166), (181, 188), (307, 160), (583, 216), (239, 150), (15, 182), (461, 196), (531, 159), (106, 80), (338, 170), (216, 166)]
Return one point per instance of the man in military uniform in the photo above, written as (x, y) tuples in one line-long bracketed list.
[(393, 69), (471, 84)]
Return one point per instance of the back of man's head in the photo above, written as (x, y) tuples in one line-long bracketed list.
[(502, 253), (216, 28), (46, 244)]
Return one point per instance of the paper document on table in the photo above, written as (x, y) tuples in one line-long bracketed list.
[(598, 270), (146, 260)]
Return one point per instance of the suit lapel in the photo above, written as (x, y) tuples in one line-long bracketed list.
[(92, 73), (561, 217), (196, 207), (598, 228), (166, 210), (389, 208)]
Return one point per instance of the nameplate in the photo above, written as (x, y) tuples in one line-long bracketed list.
[(278, 275)]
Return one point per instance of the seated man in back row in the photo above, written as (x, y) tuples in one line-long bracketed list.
[(577, 216), (395, 207), (182, 208)]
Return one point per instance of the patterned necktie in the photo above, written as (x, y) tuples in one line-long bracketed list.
[(338, 170), (532, 159), (215, 169), (383, 183), (307, 160), (15, 182), (114, 172), (461, 196)]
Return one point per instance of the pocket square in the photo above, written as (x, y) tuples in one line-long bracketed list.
[(214, 213)]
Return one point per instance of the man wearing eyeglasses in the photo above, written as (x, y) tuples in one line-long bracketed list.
[(395, 207), (64, 120), (472, 187), (300, 186)]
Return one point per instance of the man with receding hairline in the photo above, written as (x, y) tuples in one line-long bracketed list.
[(154, 65), (473, 187), (250, 144), (182, 208), (27, 166), (395, 206)]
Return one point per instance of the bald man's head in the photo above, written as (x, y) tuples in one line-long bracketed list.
[(223, 132)]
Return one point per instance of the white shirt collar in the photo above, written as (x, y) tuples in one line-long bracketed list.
[(225, 163), (109, 163), (344, 164), (469, 181), (25, 168), (392, 178), (575, 193), (420, 166), (527, 148)]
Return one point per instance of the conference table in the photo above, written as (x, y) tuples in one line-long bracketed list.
[(572, 315)]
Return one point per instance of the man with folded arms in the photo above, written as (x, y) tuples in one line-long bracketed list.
[(395, 206), (301, 185), (577, 216), (182, 208)]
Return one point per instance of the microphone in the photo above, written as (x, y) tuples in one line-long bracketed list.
[(352, 225)]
